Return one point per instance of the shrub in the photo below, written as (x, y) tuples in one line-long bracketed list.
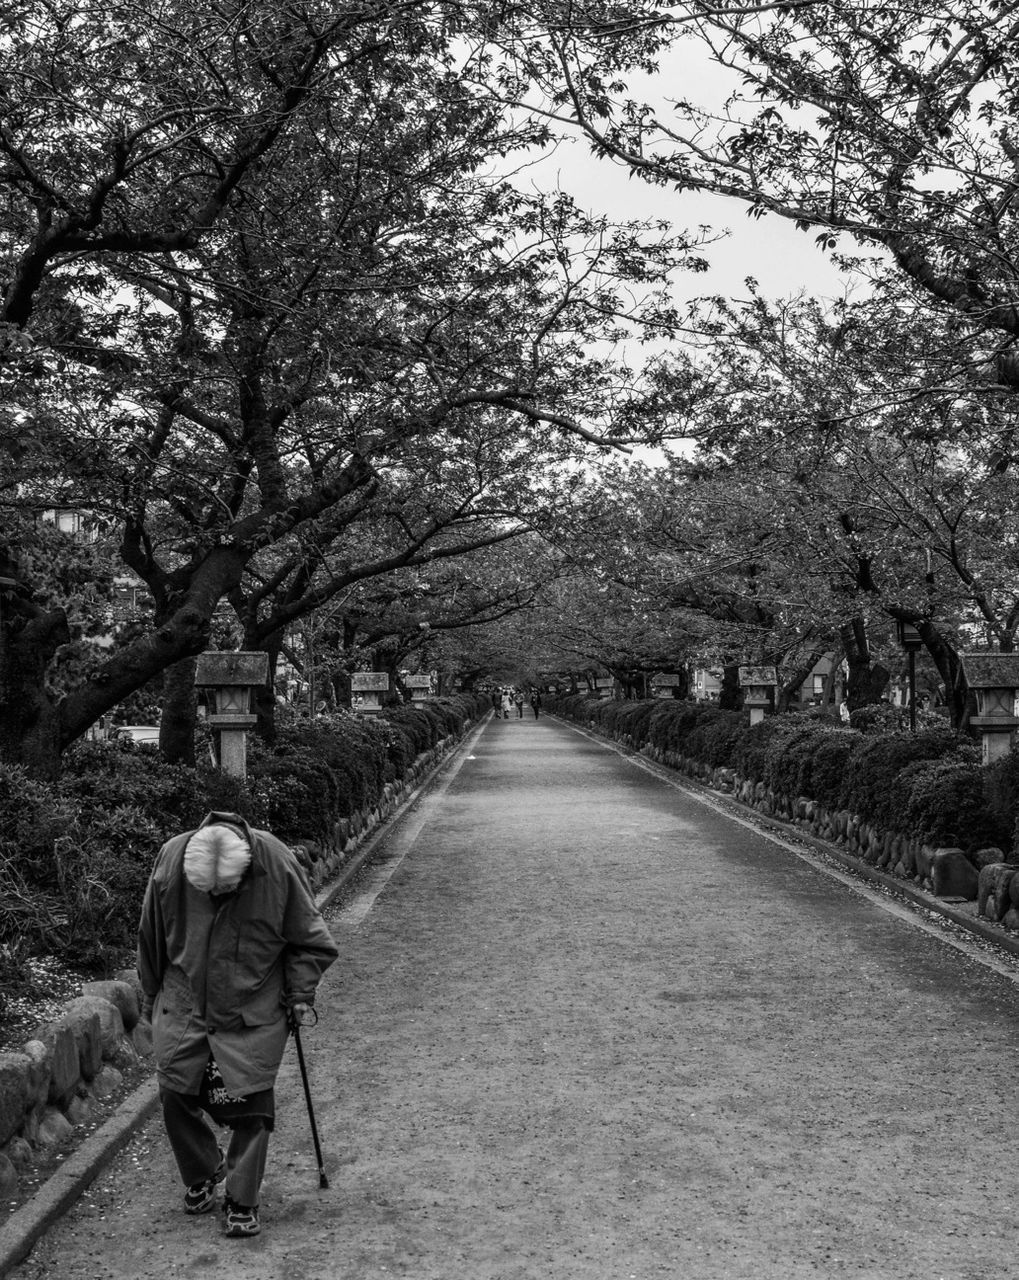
[(871, 769), (1001, 794), (414, 724), (75, 855), (755, 750), (719, 737), (823, 768), (101, 868), (788, 752), (877, 718), (942, 802), (99, 776)]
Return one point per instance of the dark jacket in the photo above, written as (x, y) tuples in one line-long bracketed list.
[(222, 975)]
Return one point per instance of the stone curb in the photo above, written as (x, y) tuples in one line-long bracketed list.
[(984, 929), (59, 1192), (21, 1231)]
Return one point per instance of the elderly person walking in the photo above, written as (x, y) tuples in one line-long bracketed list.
[(231, 948)]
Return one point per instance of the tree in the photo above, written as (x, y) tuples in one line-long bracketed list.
[(253, 273), (892, 128), (866, 487)]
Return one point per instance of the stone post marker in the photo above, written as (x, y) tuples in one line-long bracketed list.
[(759, 683), (231, 677), (994, 678)]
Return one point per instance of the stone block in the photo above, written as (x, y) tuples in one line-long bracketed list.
[(924, 860), (987, 856), (8, 1177), (111, 1024), (65, 1061), (15, 1093), (54, 1128), (1011, 918), (19, 1152), (107, 1081), (79, 1110), (39, 1072), (130, 976), (953, 875), (82, 1018), (141, 1038), (122, 994), (993, 889), (126, 1054)]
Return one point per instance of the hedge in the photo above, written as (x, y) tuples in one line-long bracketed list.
[(75, 855), (930, 784)]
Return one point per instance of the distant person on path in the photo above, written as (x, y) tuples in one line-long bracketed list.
[(507, 704), (535, 702), (231, 948), (496, 703), (518, 698)]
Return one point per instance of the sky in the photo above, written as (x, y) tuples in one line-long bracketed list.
[(782, 259)]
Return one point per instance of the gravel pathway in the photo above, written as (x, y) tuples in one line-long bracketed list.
[(584, 1028)]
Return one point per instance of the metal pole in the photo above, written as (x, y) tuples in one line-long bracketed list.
[(912, 690)]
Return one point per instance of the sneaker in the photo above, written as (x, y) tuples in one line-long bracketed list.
[(200, 1197), (241, 1219)]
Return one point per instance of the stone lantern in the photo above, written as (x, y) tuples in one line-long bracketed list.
[(230, 678), (420, 687), (759, 685), (994, 678), (663, 683), (367, 689)]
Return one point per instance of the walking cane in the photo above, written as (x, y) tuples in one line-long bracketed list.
[(323, 1181)]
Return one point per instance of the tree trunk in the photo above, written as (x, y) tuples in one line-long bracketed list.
[(949, 665), (868, 679), (180, 712), (787, 691), (730, 696), (29, 718), (828, 696), (263, 700)]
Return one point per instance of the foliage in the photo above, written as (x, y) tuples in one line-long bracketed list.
[(269, 393), (868, 786), (822, 768), (1001, 797), (941, 802), (929, 784), (75, 855), (878, 719)]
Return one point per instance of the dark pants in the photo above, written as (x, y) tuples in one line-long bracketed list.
[(196, 1150)]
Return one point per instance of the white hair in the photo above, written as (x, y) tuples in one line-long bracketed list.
[(215, 858)]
